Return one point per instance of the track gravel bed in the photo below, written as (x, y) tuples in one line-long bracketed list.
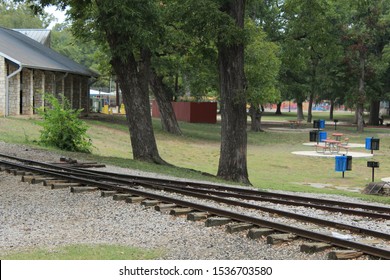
[(34, 216)]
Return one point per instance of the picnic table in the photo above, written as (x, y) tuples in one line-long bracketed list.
[(333, 146), (295, 123), (337, 135)]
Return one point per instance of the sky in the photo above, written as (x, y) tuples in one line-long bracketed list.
[(59, 15)]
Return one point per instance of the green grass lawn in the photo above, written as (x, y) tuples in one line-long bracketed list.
[(271, 165), (83, 252)]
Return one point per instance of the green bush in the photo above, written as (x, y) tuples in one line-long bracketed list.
[(62, 127)]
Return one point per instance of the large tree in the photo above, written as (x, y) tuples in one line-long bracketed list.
[(220, 24), (261, 70), (233, 155), (131, 30), (366, 34), (313, 37)]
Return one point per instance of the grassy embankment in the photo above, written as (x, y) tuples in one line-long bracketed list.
[(271, 164)]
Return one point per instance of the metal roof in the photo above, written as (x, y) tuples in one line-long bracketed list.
[(27, 52), (40, 35)]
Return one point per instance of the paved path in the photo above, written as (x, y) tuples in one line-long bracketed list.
[(352, 145), (329, 155)]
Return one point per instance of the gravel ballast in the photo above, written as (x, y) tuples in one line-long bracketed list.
[(34, 216)]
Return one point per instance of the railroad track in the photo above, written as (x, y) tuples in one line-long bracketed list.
[(127, 188), (366, 210)]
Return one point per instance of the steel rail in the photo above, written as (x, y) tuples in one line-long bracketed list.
[(106, 185), (348, 211), (246, 197), (294, 203), (292, 215), (371, 250), (286, 198)]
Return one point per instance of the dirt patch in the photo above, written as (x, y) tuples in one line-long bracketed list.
[(330, 186)]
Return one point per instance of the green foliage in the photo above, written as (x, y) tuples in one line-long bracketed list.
[(261, 67), (19, 15), (85, 52), (62, 127)]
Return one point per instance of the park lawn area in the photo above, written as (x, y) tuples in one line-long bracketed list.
[(84, 252), (271, 164)]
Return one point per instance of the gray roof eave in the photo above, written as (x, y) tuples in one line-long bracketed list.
[(93, 74), (28, 53), (11, 58)]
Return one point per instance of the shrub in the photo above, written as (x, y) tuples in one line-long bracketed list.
[(62, 127)]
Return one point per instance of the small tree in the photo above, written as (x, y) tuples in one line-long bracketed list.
[(62, 127)]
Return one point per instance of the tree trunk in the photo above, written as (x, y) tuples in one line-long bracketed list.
[(255, 113), (310, 108), (360, 117), (300, 115), (331, 111), (233, 154), (361, 97), (168, 117), (278, 108), (133, 80), (374, 112), (314, 63)]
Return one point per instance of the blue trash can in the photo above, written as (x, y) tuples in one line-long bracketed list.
[(368, 143), (322, 124), (322, 135), (340, 163)]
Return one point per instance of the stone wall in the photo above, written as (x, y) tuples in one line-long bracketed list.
[(14, 92), (49, 84), (76, 92), (68, 88), (3, 75), (84, 95), (26, 89), (39, 89)]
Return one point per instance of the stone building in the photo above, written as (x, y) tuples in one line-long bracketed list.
[(28, 69)]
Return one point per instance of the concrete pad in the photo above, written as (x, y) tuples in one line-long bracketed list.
[(387, 179), (329, 155), (351, 145), (289, 129)]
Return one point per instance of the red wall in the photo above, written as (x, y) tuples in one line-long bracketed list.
[(194, 112)]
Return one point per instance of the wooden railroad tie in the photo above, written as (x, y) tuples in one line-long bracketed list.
[(121, 196), (217, 221), (83, 189), (274, 239), (49, 182), (20, 172), (57, 186), (135, 199), (180, 211), (311, 248), (35, 179), (164, 206), (256, 233), (237, 227), (108, 193), (197, 216), (344, 254), (150, 202)]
